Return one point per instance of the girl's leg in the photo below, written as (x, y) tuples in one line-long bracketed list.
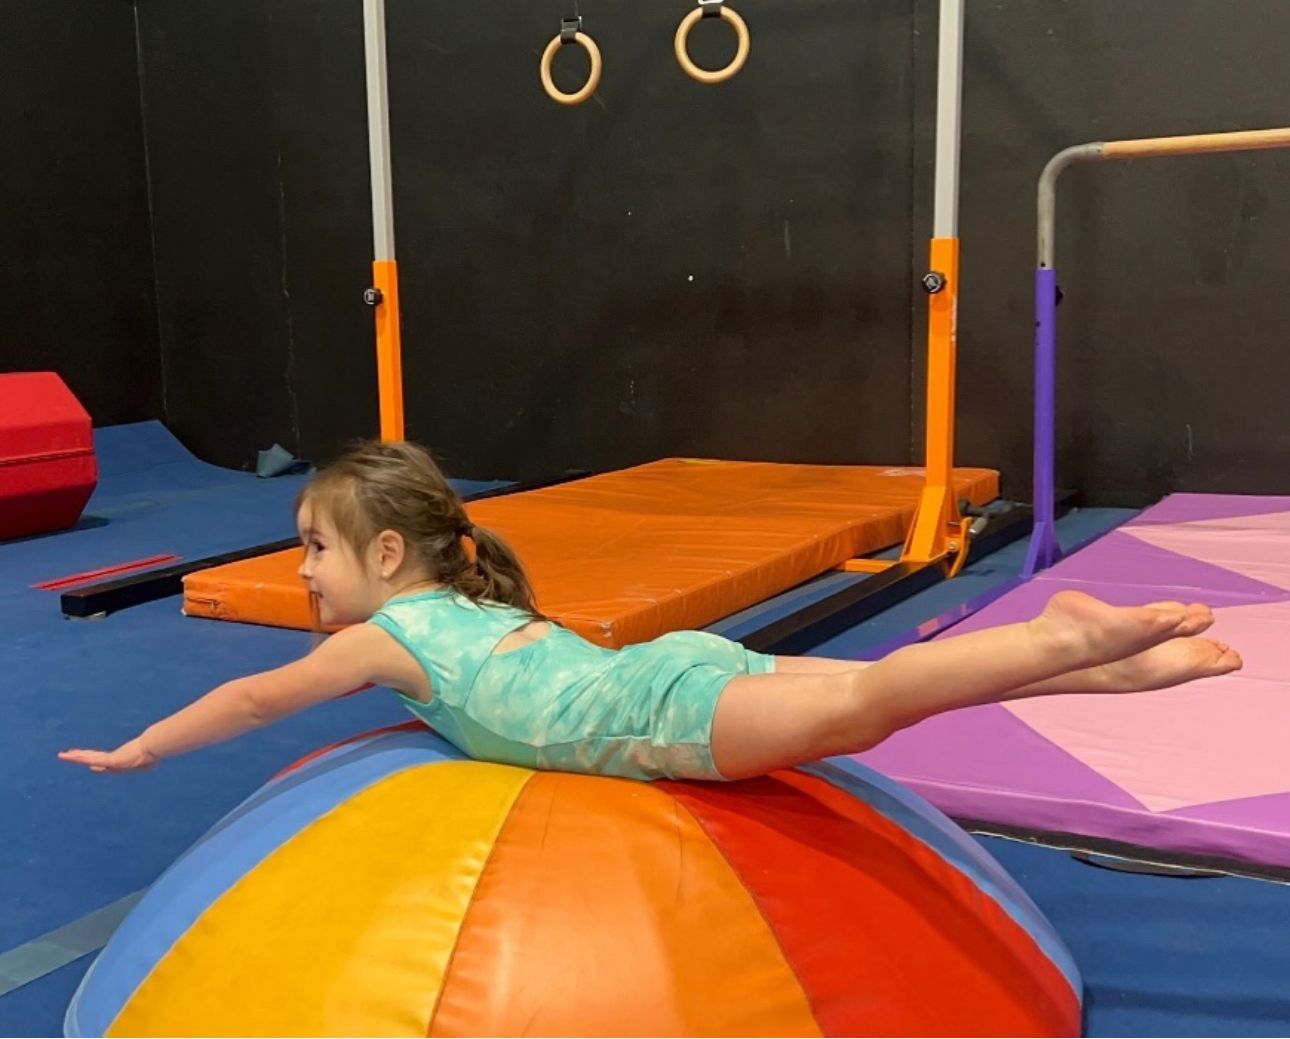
[(765, 722), (1157, 668), (771, 721), (1079, 680), (817, 666)]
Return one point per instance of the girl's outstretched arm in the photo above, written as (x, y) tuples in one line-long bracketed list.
[(344, 662)]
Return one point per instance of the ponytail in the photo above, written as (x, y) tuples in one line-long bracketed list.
[(495, 573)]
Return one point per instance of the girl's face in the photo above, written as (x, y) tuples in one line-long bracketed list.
[(346, 586)]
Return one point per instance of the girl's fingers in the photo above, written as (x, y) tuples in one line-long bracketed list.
[(96, 759)]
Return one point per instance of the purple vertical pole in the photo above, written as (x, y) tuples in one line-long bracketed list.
[(1044, 550)]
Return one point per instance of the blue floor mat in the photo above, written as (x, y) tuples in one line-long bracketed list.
[(37, 1009), (1165, 956)]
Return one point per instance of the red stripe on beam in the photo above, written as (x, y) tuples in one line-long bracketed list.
[(107, 571)]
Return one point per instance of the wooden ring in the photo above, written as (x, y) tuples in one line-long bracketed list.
[(683, 55), (593, 79)]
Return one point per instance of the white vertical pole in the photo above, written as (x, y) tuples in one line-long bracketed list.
[(378, 130), (949, 107)]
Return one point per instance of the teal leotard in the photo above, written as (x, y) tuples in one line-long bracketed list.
[(644, 711)]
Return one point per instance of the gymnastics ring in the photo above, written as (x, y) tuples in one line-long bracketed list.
[(593, 78), (683, 35)]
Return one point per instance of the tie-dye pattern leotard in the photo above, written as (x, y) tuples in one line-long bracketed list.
[(644, 711)]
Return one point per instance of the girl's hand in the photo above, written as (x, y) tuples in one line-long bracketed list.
[(126, 758)]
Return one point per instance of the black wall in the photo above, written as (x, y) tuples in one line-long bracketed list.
[(256, 141), (670, 268), (75, 259), (1172, 364)]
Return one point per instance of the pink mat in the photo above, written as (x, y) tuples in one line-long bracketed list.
[(1196, 771)]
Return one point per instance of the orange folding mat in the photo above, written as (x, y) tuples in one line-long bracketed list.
[(628, 555)]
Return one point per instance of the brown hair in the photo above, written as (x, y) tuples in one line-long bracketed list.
[(397, 486)]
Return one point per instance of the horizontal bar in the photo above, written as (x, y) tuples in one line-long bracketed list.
[(1047, 217), (1198, 144), (1138, 148)]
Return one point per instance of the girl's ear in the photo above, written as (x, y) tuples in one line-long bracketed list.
[(391, 550)]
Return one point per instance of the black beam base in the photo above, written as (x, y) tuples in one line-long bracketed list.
[(999, 525)]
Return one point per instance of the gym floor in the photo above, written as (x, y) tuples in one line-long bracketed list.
[(1160, 955)]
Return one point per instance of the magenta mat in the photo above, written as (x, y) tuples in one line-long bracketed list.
[(1201, 771)]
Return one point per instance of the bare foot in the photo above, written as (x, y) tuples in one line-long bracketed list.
[(1168, 664), (1088, 632)]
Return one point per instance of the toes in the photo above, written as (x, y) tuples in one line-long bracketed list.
[(1223, 659), (1196, 618), (1167, 620)]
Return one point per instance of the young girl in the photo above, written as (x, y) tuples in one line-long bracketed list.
[(441, 611)]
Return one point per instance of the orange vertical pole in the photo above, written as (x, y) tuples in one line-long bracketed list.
[(389, 350), (938, 529), (936, 521)]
